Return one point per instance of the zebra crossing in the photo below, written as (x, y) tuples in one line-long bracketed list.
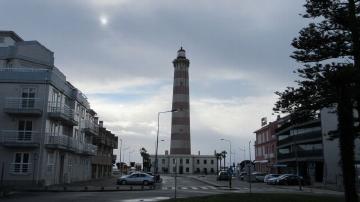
[(198, 188)]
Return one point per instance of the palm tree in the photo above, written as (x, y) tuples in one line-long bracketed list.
[(146, 157), (218, 158), (223, 154)]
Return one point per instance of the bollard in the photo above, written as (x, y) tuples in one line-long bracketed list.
[(102, 188), (64, 188), (85, 188)]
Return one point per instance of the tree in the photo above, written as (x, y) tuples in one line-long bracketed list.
[(146, 159), (329, 49), (223, 155), (218, 158)]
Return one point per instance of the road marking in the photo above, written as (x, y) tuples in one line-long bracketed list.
[(204, 188), (194, 188), (211, 187)]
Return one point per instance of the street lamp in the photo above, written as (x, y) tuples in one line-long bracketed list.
[(157, 138), (243, 150), (230, 148), (121, 141)]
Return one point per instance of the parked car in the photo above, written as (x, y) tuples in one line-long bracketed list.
[(259, 177), (223, 175), (136, 178), (290, 180), (270, 176), (275, 179)]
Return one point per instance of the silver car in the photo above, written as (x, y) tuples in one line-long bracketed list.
[(136, 178)]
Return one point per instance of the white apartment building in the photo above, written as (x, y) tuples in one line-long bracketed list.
[(46, 124)]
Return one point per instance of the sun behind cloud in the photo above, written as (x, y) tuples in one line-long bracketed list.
[(103, 20)]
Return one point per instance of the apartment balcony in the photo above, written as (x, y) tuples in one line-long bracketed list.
[(312, 135), (99, 140), (68, 143), (23, 106), (62, 142), (20, 168), (301, 155), (62, 113), (91, 128), (15, 138)]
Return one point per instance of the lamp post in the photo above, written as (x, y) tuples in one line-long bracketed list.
[(242, 150), (121, 141), (130, 152), (230, 149), (157, 138)]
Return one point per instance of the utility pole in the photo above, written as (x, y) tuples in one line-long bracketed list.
[(250, 165)]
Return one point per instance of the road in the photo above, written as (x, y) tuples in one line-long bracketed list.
[(187, 186)]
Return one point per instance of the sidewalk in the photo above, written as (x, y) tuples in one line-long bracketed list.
[(95, 185)]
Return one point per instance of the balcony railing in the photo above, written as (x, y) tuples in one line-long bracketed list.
[(62, 112), (23, 106), (91, 128), (20, 168), (71, 144), (301, 137), (19, 138), (301, 154)]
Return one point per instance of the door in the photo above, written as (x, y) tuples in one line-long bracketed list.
[(21, 162), (61, 172)]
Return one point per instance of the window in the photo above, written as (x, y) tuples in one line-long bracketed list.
[(21, 163), (205, 161), (187, 170), (173, 161), (28, 98), (187, 161), (24, 130), (212, 161), (181, 161), (163, 161), (198, 161), (212, 170)]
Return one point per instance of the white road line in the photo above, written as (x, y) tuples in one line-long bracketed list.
[(184, 188), (203, 187), (194, 188), (211, 187)]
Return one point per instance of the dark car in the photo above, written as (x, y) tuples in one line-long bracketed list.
[(223, 176), (289, 180)]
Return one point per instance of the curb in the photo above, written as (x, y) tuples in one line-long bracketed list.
[(88, 189)]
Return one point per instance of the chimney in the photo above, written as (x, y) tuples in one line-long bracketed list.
[(199, 152), (101, 124), (166, 152), (96, 119)]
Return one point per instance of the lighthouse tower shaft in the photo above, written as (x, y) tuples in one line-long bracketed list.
[(180, 122)]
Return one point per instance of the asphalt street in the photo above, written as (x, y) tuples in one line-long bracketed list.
[(187, 186)]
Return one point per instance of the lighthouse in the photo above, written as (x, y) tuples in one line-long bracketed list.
[(180, 122)]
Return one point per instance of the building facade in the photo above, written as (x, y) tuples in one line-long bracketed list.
[(300, 150), (104, 160), (332, 160), (265, 148), (46, 124), (185, 164)]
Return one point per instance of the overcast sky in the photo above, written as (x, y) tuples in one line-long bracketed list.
[(120, 52)]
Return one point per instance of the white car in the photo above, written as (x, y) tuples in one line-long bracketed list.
[(270, 176), (136, 178)]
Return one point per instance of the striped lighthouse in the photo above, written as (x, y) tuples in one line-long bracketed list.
[(180, 123)]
